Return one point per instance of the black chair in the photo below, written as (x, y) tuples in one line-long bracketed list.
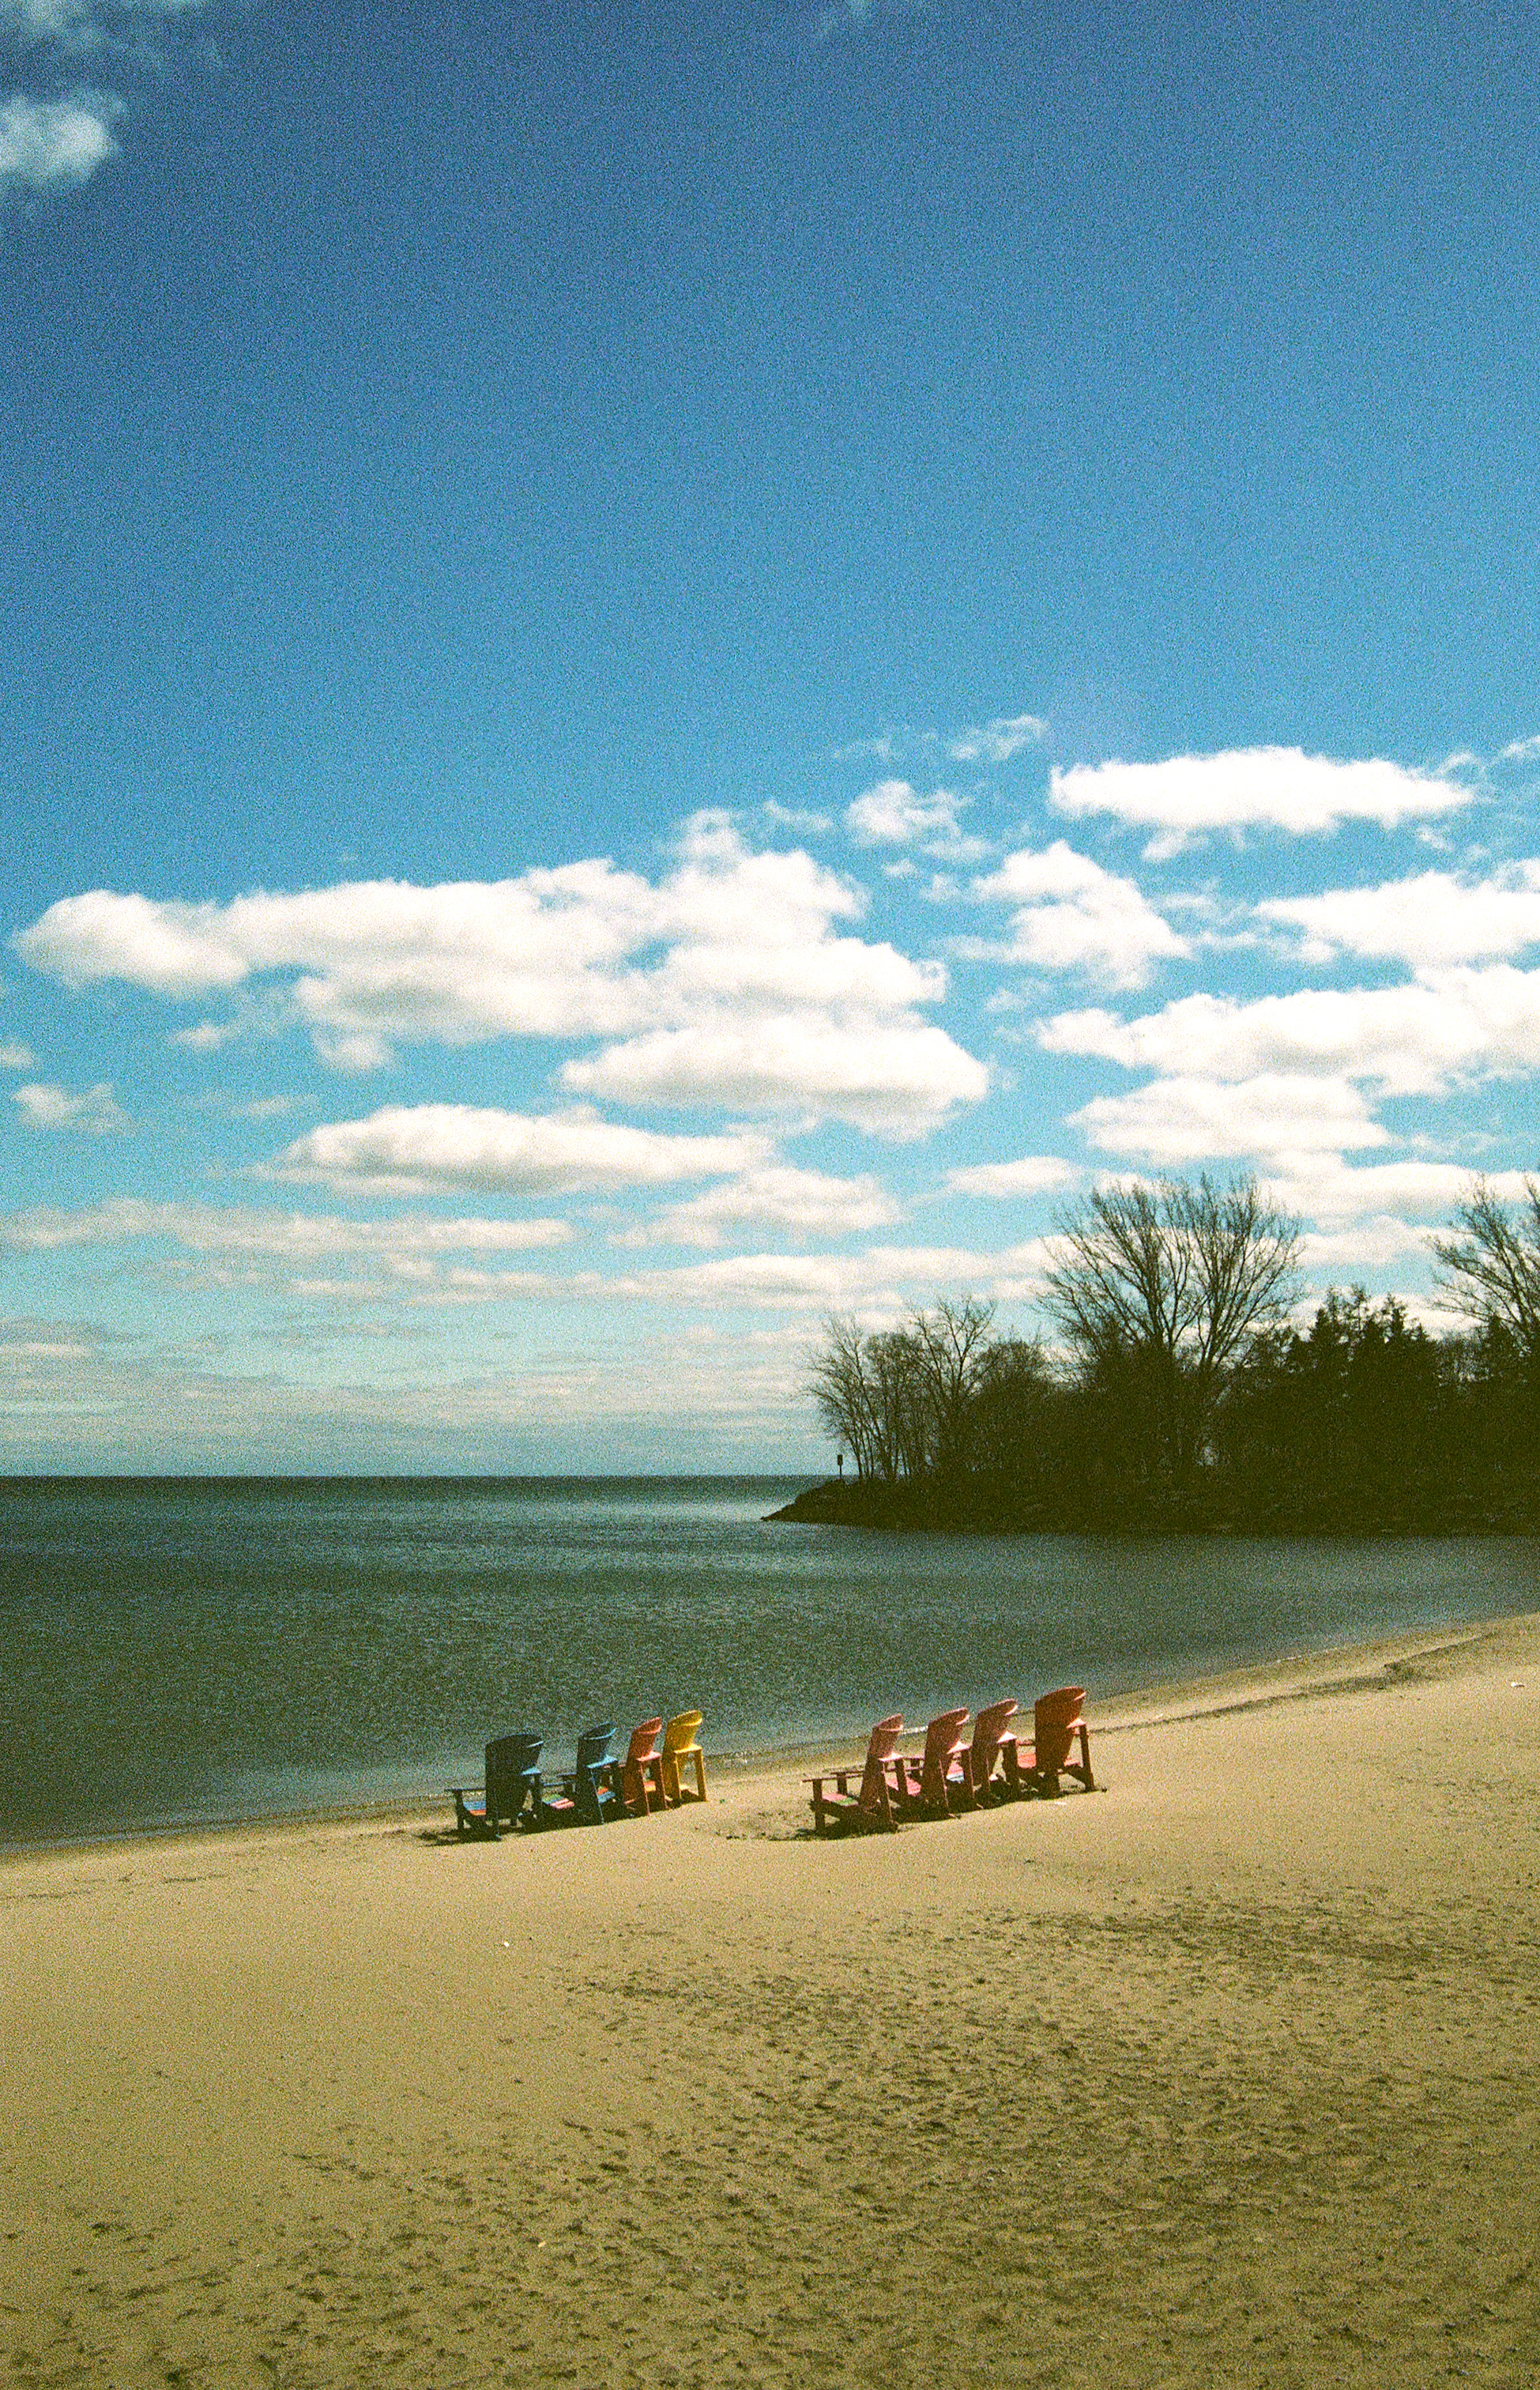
[(512, 1785)]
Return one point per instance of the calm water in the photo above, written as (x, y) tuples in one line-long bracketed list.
[(181, 1650)]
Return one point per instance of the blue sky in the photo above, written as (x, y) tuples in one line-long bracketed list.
[(671, 668)]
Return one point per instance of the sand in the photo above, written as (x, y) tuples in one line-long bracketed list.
[(1224, 2075)]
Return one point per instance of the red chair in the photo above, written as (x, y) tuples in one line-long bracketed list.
[(642, 1770), (871, 1809), (940, 1779), (1058, 1722)]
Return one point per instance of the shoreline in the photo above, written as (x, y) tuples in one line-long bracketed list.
[(1115, 1714), (1222, 2074)]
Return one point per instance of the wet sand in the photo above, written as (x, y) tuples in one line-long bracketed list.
[(1224, 2076)]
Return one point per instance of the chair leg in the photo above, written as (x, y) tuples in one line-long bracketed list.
[(700, 1772)]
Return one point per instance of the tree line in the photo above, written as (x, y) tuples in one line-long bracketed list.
[(1179, 1395)]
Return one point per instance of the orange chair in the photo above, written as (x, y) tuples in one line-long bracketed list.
[(940, 1779), (987, 1749), (871, 1809), (682, 1740), (1058, 1721), (642, 1770)]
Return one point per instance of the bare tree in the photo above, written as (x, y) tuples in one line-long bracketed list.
[(837, 1382), (1162, 1286), (953, 1342), (900, 1398), (1491, 1272)]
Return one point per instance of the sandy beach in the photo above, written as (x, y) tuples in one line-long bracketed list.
[(1223, 2076)]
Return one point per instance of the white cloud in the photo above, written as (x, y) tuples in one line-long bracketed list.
[(806, 1203), (998, 741), (232, 1232), (1032, 1173), (1188, 797), (1328, 1190), (14, 1056), (894, 1081), (1432, 918), (94, 1112), (84, 24), (1072, 915), (892, 813), (1414, 1039), (801, 819), (1369, 1246), (885, 1277), (415, 1150), (51, 144), (732, 954), (1187, 1119)]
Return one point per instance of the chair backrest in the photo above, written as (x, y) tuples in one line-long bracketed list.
[(515, 1754), (944, 1736), (1055, 1718), (681, 1732), (595, 1747), (943, 1739), (989, 1729), (644, 1741), (885, 1737), (512, 1768)]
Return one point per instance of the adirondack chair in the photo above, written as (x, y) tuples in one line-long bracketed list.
[(588, 1795), (682, 1742), (940, 1779), (1058, 1723), (986, 1751), (642, 1770), (512, 1781), (870, 1809)]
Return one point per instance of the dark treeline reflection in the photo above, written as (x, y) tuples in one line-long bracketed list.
[(1183, 1398)]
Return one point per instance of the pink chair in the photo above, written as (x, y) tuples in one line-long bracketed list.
[(986, 1751), (1058, 1721), (940, 1779), (871, 1809), (642, 1770)]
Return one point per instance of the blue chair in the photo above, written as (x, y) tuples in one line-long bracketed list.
[(588, 1795), (512, 1785)]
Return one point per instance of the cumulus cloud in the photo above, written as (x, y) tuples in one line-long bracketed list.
[(897, 1080), (892, 813), (14, 1056), (94, 1112), (1189, 797), (51, 144), (1332, 1192), (774, 1195), (731, 954), (1432, 919), (1069, 914), (1175, 1121), (1031, 1174), (1414, 1039), (416, 1150)]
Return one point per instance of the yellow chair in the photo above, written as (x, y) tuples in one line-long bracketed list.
[(682, 1740)]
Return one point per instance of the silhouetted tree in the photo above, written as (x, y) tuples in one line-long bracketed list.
[(1156, 1290), (1492, 1270)]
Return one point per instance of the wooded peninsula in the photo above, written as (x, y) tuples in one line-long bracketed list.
[(1184, 1395)]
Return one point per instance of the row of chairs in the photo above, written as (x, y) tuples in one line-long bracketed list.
[(957, 1770), (597, 1789)]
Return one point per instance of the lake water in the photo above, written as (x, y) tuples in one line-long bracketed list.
[(185, 1650)]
